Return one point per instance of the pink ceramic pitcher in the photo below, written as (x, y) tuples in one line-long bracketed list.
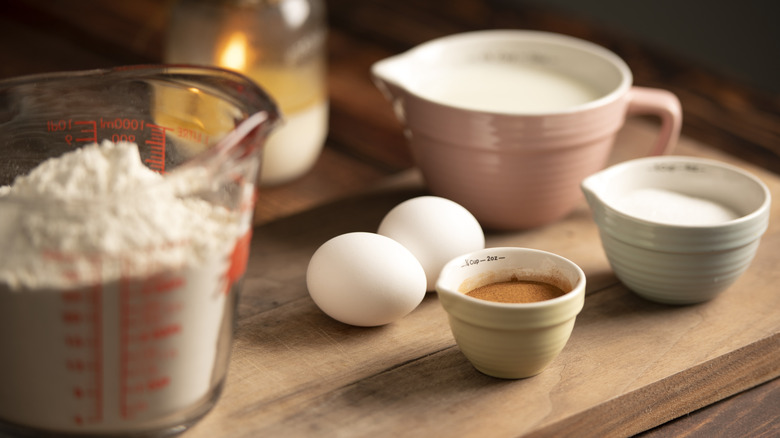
[(508, 123)]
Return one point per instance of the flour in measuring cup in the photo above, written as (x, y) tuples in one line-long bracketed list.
[(113, 286), (142, 211)]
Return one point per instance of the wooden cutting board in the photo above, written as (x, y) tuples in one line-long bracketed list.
[(630, 364)]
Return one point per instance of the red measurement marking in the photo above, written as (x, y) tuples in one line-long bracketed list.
[(137, 388), (142, 319), (191, 134), (74, 341), (166, 331), (157, 334), (91, 128), (127, 124), (158, 383), (72, 317), (57, 125), (163, 285), (158, 308), (135, 372), (73, 276), (156, 143), (124, 346), (146, 323), (87, 345), (72, 297), (96, 295), (76, 365), (238, 260), (80, 392), (142, 325), (130, 410), (83, 320), (66, 261), (145, 355)]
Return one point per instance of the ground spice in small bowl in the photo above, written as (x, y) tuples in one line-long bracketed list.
[(517, 291)]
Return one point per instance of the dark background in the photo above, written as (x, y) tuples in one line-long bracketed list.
[(737, 38)]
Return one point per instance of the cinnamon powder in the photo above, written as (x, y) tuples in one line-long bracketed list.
[(517, 291)]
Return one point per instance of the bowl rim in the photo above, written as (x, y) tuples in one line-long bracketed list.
[(763, 208), (432, 49), (669, 237)]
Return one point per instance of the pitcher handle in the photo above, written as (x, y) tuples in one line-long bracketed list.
[(661, 103)]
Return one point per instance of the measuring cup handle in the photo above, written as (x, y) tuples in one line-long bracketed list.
[(661, 103)]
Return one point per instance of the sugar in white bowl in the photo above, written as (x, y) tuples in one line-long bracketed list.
[(670, 207), (678, 230)]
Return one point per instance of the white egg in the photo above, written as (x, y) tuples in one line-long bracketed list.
[(435, 230), (365, 279)]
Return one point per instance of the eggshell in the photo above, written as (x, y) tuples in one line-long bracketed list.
[(435, 230), (365, 279)]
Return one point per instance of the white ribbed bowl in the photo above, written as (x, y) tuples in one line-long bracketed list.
[(679, 264), (510, 340)]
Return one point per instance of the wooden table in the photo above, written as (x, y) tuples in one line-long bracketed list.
[(631, 366)]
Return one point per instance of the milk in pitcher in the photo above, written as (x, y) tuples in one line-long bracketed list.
[(503, 87)]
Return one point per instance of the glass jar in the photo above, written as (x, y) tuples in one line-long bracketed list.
[(280, 44)]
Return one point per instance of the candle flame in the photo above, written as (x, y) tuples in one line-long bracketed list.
[(234, 55)]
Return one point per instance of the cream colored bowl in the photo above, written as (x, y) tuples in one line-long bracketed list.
[(510, 340), (679, 263)]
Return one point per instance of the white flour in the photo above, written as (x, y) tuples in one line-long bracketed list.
[(112, 293), (141, 212)]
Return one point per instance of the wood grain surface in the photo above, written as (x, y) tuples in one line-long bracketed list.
[(629, 366), (365, 149)]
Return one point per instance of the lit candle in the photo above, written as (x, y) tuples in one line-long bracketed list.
[(280, 45), (234, 55)]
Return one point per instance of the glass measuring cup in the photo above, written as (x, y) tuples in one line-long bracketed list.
[(117, 306)]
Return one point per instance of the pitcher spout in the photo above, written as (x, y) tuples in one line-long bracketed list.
[(388, 75)]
